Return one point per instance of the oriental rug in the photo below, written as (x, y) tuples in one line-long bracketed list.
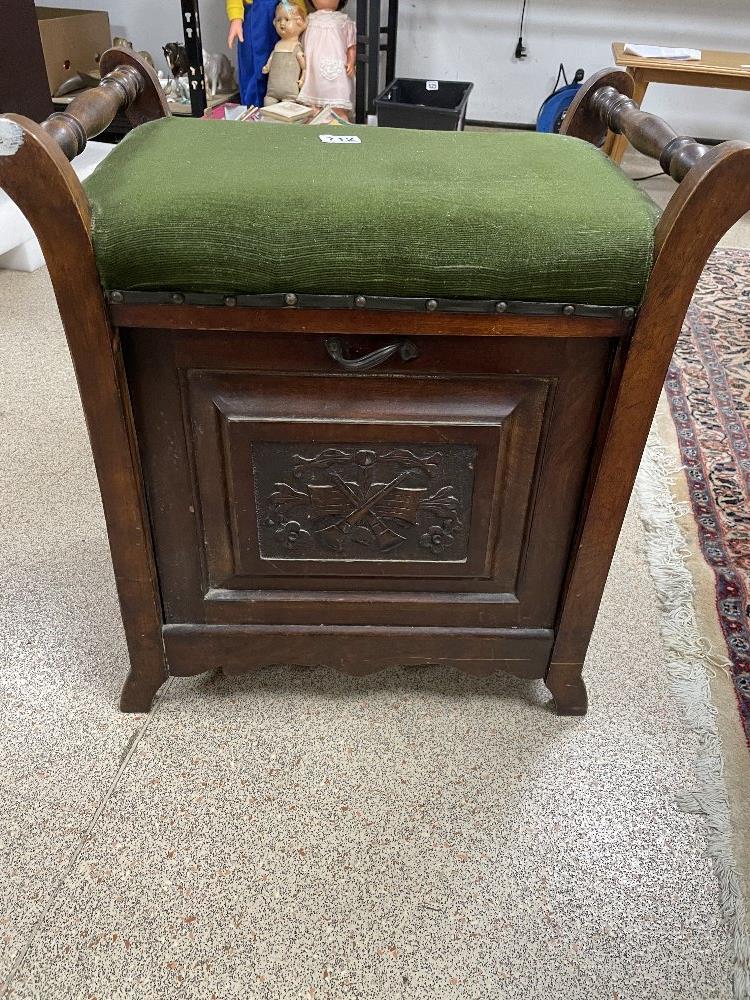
[(708, 389)]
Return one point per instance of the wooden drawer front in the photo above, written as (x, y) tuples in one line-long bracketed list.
[(442, 492), (437, 490)]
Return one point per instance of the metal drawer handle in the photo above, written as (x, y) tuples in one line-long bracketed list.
[(407, 350)]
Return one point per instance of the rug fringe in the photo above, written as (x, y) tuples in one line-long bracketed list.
[(691, 663)]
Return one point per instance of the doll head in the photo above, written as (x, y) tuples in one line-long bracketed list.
[(328, 4), (290, 19)]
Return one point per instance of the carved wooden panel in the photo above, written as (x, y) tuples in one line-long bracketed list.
[(439, 488), (398, 501), (276, 491)]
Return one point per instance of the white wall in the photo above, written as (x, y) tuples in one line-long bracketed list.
[(475, 40)]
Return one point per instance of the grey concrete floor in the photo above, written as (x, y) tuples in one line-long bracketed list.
[(295, 834)]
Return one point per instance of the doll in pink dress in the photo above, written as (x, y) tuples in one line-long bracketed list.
[(330, 53)]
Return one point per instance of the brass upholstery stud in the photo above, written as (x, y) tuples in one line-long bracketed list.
[(178, 298), (568, 310), (230, 300), (628, 313), (501, 307), (116, 297), (431, 305), (290, 299), (360, 302)]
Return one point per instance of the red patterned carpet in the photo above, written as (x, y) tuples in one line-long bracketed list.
[(708, 387)]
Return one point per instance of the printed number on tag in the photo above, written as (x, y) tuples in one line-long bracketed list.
[(349, 139), (432, 85)]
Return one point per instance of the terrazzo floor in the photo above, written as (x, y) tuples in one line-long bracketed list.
[(295, 834)]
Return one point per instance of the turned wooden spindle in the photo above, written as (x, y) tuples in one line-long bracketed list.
[(90, 113), (128, 85), (649, 134)]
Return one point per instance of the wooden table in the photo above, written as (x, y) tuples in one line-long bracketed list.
[(725, 70)]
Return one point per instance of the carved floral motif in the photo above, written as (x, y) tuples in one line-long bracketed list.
[(353, 498), (437, 539)]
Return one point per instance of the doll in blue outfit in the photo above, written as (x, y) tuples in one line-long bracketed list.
[(251, 25)]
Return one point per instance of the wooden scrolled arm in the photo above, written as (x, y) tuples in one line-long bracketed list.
[(649, 134), (605, 102), (128, 84)]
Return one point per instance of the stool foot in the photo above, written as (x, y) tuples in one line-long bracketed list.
[(566, 685), (138, 692)]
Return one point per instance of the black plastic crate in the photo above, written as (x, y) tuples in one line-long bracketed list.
[(432, 104)]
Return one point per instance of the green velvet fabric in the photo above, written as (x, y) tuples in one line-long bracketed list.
[(213, 206)]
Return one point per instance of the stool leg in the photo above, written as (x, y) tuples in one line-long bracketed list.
[(703, 208), (140, 688), (566, 685), (41, 181)]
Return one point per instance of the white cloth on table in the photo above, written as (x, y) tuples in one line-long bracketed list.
[(660, 52)]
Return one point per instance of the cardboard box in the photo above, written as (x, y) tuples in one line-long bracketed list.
[(72, 41)]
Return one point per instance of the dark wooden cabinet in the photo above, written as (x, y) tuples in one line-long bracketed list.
[(458, 504), (438, 492)]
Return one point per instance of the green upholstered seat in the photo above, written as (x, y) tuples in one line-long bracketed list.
[(229, 207)]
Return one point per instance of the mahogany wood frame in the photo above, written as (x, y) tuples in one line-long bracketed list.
[(713, 193)]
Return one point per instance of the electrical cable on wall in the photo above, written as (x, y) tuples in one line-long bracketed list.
[(520, 52)]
